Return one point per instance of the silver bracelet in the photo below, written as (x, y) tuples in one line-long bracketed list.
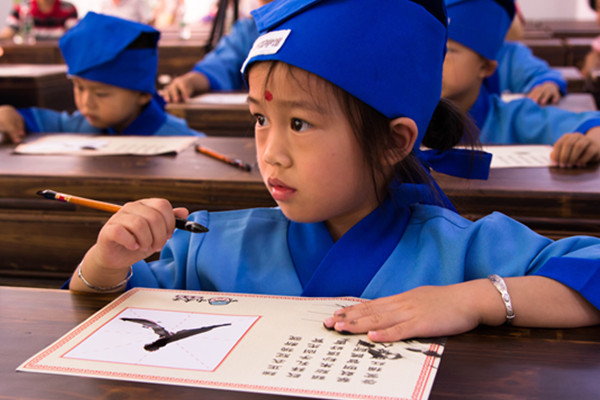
[(500, 285), (104, 289)]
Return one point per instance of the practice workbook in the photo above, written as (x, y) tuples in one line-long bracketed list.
[(105, 145), (243, 342)]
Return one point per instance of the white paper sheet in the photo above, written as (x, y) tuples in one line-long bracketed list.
[(520, 156), (92, 145), (221, 98), (255, 343)]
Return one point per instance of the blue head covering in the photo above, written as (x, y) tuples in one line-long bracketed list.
[(112, 50), (480, 25), (389, 54)]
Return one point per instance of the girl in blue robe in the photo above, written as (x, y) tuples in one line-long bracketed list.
[(476, 32), (340, 116)]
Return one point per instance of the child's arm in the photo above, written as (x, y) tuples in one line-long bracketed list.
[(545, 93), (448, 310), (135, 232), (577, 150), (185, 86), (12, 125)]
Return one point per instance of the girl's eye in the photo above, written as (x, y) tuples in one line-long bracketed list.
[(299, 125), (260, 120)]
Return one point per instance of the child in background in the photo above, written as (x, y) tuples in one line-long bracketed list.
[(51, 18), (591, 64), (340, 115), (476, 31), (112, 63), (219, 69), (133, 10), (519, 71)]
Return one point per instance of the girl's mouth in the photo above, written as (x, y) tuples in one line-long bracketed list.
[(279, 190)]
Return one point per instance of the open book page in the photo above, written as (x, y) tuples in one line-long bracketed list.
[(519, 156), (92, 145), (243, 342), (221, 98)]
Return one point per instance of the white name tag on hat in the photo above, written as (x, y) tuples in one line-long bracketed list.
[(269, 43)]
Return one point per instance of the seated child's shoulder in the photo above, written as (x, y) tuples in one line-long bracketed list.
[(433, 215)]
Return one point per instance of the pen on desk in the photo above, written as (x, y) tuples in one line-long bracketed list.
[(211, 153), (180, 223)]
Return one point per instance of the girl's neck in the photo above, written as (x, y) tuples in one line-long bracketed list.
[(466, 102)]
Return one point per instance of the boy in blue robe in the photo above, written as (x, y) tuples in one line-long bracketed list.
[(519, 71), (112, 63), (219, 70), (341, 112), (476, 31)]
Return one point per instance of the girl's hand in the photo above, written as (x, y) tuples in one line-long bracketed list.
[(545, 93), (577, 150), (135, 232), (12, 126), (426, 311), (182, 88)]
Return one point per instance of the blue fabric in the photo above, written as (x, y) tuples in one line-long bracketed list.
[(247, 251), (338, 41), (153, 120), (222, 65), (523, 121), (519, 71), (473, 164), (583, 275), (327, 262), (480, 25), (96, 49)]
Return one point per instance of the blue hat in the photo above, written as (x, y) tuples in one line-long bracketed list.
[(112, 50), (388, 54), (480, 25)]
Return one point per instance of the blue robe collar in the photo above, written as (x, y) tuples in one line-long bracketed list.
[(152, 117), (345, 268)]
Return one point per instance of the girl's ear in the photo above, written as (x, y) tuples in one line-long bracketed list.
[(405, 133), (144, 98), (488, 67)]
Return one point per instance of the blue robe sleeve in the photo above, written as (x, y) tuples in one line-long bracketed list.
[(519, 71), (522, 121), (501, 241), (223, 64), (41, 120)]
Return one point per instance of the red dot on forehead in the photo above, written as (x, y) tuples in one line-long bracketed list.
[(268, 95)]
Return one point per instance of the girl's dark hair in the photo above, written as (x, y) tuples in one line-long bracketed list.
[(448, 127)]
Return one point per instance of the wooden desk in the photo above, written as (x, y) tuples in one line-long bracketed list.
[(575, 81), (578, 102), (43, 239), (175, 56), (42, 52), (61, 233), (36, 85), (551, 201), (577, 49), (553, 50), (228, 116), (493, 363), (571, 28)]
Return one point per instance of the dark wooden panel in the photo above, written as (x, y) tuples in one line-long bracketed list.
[(551, 50), (487, 363), (36, 85)]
